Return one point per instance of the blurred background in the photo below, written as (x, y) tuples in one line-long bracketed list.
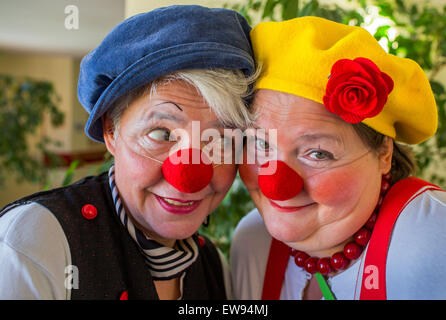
[(42, 140)]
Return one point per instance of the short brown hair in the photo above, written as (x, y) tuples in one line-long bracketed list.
[(403, 160)]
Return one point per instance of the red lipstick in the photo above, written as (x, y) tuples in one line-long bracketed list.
[(287, 209), (186, 206)]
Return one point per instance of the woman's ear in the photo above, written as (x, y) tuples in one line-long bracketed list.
[(385, 155), (108, 131)]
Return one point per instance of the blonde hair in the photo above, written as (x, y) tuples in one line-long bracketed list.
[(225, 91)]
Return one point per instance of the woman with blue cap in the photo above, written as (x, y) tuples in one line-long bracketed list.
[(157, 79)]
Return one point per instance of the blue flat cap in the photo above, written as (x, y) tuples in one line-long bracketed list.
[(150, 45)]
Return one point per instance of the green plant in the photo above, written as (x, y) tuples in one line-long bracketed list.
[(277, 10), (94, 170), (23, 104)]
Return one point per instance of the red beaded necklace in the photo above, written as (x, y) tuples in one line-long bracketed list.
[(352, 250)]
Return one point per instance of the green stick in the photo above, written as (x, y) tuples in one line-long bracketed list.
[(326, 292)]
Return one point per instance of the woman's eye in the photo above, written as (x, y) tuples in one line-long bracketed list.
[(262, 144), (161, 135), (321, 155)]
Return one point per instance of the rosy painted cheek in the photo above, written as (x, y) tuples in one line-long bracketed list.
[(137, 171), (333, 187)]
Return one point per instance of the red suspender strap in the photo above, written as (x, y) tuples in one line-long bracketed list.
[(279, 254), (373, 285)]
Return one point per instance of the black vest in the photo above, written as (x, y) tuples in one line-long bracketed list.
[(108, 259)]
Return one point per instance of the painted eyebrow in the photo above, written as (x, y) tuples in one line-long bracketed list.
[(313, 137), (156, 114), (159, 115), (171, 102)]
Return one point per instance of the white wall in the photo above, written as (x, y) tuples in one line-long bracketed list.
[(133, 7), (39, 25)]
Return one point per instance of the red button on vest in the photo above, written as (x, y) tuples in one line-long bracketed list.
[(89, 211), (201, 241), (124, 296)]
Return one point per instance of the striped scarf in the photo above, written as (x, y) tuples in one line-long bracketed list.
[(163, 262)]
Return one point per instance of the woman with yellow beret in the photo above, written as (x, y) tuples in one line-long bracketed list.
[(339, 214)]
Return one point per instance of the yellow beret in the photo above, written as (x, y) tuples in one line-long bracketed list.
[(298, 55)]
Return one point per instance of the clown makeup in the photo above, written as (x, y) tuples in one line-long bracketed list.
[(315, 152), (147, 132), (341, 176), (159, 134)]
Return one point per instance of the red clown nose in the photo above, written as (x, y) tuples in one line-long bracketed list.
[(283, 184), (186, 171)]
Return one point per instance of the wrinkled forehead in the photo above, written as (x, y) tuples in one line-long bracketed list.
[(298, 117)]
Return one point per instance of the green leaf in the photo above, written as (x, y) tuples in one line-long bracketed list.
[(400, 6), (385, 9), (381, 32), (309, 9), (437, 87), (256, 5), (269, 8), (70, 173), (290, 9)]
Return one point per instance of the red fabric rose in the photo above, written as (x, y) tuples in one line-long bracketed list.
[(357, 89)]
